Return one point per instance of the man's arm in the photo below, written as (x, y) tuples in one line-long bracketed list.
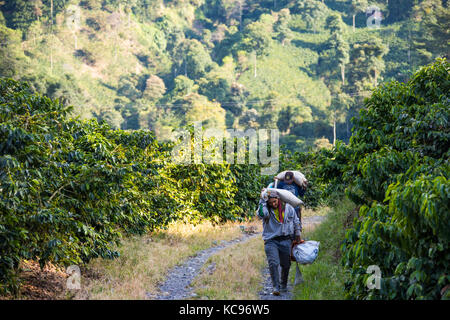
[(263, 211), (297, 226)]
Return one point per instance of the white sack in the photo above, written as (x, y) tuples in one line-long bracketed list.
[(306, 252), (285, 196), (299, 178)]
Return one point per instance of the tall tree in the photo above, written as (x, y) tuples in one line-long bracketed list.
[(284, 33), (432, 38), (10, 52), (257, 35), (338, 47), (313, 12), (357, 6)]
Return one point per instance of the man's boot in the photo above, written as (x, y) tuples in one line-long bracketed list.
[(274, 275), (284, 279)]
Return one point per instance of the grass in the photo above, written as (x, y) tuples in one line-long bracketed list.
[(324, 279), (237, 274), (298, 89), (145, 260), (322, 211), (237, 270), (233, 273)]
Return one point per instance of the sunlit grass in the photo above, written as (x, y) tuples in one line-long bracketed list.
[(145, 260), (324, 279), (237, 274)]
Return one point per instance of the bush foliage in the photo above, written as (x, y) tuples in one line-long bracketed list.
[(71, 188), (396, 167)]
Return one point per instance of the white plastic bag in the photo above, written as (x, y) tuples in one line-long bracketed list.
[(306, 252), (299, 178), (284, 195)]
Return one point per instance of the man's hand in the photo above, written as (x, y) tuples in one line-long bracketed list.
[(297, 240)]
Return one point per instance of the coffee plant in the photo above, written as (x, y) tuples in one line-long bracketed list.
[(398, 170), (70, 189)]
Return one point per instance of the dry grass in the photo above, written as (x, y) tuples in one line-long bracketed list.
[(321, 211), (145, 260), (236, 273)]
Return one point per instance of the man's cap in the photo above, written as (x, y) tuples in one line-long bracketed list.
[(274, 195), (289, 176)]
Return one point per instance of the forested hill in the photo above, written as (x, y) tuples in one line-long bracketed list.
[(301, 66)]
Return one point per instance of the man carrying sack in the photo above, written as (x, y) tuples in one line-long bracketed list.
[(288, 183), (281, 227)]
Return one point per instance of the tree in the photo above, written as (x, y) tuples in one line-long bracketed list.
[(281, 28), (73, 22), (130, 86), (37, 8), (332, 65), (249, 119), (193, 60), (182, 86), (357, 6), (337, 48), (335, 24), (257, 35), (399, 10), (111, 116), (270, 111), (342, 54), (238, 98), (367, 64), (21, 15), (340, 103), (397, 170), (313, 11), (154, 88), (431, 38), (199, 108), (11, 53), (285, 117)]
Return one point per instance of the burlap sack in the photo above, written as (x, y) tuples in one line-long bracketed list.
[(299, 178), (284, 195)]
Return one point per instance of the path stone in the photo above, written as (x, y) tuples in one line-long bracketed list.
[(177, 284)]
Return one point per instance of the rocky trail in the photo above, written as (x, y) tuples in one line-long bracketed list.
[(177, 284)]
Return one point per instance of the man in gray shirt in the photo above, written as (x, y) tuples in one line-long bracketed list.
[(281, 226)]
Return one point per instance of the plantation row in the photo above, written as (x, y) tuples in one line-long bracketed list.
[(397, 167), (71, 189)]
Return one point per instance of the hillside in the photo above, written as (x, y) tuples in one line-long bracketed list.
[(299, 66)]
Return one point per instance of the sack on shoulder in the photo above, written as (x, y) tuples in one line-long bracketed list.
[(299, 178)]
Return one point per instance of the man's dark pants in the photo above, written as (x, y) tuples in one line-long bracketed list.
[(278, 252)]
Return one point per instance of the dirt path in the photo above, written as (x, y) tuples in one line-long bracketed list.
[(266, 292), (177, 284)]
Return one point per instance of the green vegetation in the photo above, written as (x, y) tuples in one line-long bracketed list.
[(84, 150), (302, 66), (71, 188), (324, 279), (396, 166)]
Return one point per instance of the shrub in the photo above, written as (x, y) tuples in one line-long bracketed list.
[(398, 168)]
